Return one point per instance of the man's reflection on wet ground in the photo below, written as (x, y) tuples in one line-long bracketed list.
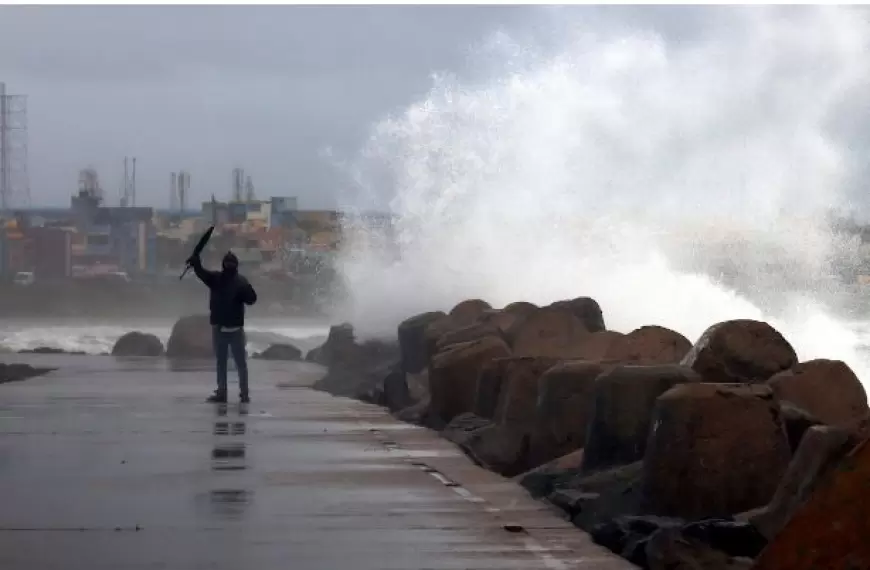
[(228, 456)]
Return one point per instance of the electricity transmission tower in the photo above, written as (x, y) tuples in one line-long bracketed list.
[(14, 180)]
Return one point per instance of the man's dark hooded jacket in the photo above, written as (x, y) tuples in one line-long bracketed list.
[(229, 292)]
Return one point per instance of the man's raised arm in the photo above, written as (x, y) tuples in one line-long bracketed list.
[(206, 276)]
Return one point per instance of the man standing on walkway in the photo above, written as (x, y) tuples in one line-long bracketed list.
[(229, 293)]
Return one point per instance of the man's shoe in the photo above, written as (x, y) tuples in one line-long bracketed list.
[(245, 399), (217, 399)]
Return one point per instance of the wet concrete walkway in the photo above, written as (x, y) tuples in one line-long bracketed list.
[(110, 464)]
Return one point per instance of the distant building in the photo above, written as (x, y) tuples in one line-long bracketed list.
[(266, 213), (51, 250)]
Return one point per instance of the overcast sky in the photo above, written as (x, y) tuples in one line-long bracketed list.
[(207, 89), (210, 88)]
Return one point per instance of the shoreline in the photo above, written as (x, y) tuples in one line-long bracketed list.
[(657, 447)]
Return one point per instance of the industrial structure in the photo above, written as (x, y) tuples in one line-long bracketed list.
[(179, 186), (14, 178), (128, 187)]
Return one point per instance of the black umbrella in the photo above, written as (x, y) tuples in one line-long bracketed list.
[(199, 247)]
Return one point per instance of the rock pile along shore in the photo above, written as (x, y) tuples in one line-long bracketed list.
[(723, 454)]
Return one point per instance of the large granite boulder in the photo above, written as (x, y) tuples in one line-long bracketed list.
[(453, 376), (821, 450), (796, 421), (498, 447), (520, 308), (18, 372), (586, 309), (603, 495), (830, 529), (462, 428), (649, 345), (437, 328), (598, 346), (552, 331), (469, 311), (509, 373), (715, 450), (501, 320), (740, 351), (340, 341), (191, 337), (355, 369), (412, 341), (280, 352), (667, 544), (671, 549), (138, 344), (827, 389), (467, 333), (623, 405), (503, 444), (367, 379), (544, 479), (566, 396), (518, 397)]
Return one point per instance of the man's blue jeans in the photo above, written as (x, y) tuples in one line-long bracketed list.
[(234, 342)]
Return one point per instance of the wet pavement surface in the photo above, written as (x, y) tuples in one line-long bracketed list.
[(111, 464)]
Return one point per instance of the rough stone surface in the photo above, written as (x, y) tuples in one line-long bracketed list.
[(467, 312), (418, 385), (543, 480), (586, 309), (417, 414), (467, 333), (435, 330), (518, 397), (462, 428), (649, 345), (715, 450), (500, 448), (566, 395), (500, 374), (670, 549), (453, 376), (15, 372), (489, 386), (598, 345), (740, 351), (622, 411), (502, 320), (340, 341), (138, 344), (286, 352), (191, 337), (618, 491), (796, 421), (520, 308), (396, 395), (628, 535), (412, 341), (49, 350), (827, 389), (355, 370), (735, 538), (821, 450), (830, 529), (554, 332)]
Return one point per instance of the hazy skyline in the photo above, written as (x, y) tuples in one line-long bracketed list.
[(207, 89)]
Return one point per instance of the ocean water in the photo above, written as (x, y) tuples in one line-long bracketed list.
[(97, 337), (679, 183)]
